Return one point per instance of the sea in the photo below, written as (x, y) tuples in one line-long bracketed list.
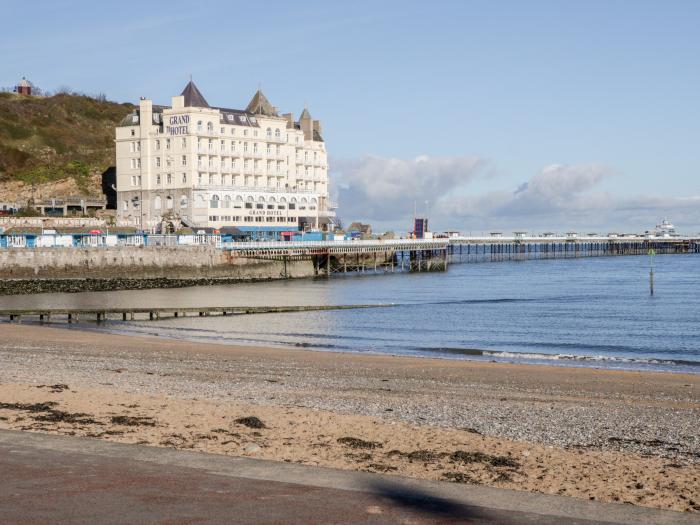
[(593, 312)]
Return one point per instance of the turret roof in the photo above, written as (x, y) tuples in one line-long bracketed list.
[(193, 97), (260, 105)]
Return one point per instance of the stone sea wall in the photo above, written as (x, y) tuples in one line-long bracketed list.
[(33, 270)]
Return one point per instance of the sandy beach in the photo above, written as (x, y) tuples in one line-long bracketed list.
[(616, 436)]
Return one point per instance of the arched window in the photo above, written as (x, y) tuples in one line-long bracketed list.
[(313, 200), (156, 203), (261, 199), (250, 199), (283, 200), (294, 200), (269, 133), (277, 133), (183, 201), (169, 202), (199, 126), (214, 203), (210, 128), (239, 198), (303, 200), (272, 200)]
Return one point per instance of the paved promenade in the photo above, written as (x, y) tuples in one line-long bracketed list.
[(52, 479)]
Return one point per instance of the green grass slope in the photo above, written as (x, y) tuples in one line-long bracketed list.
[(66, 136)]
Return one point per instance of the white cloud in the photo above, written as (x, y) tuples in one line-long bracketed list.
[(559, 197), (379, 189)]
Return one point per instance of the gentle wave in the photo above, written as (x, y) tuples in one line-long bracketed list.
[(501, 354)]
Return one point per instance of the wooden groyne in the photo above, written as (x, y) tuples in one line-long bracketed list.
[(129, 314)]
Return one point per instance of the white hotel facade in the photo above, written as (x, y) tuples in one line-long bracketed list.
[(253, 169)]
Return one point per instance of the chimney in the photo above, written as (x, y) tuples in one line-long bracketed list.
[(290, 120), (178, 102), (146, 112)]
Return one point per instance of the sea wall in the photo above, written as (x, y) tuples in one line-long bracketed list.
[(142, 262)]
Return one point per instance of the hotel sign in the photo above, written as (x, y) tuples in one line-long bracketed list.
[(177, 125), (266, 212)]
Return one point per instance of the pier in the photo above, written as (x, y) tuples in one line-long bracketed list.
[(329, 257), (515, 248), (71, 315)]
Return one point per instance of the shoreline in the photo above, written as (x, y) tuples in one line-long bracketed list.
[(474, 355), (601, 434)]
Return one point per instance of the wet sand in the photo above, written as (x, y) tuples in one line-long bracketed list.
[(595, 434)]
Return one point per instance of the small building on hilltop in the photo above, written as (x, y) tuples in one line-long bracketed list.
[(24, 87)]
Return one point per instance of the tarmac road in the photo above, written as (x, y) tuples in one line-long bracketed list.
[(56, 479)]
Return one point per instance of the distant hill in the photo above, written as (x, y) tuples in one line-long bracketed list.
[(55, 146)]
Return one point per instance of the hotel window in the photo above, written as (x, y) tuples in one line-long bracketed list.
[(211, 178), (233, 130), (133, 132), (223, 130), (169, 178), (245, 147), (184, 178), (169, 202), (255, 147), (259, 219), (292, 206), (246, 164), (255, 131), (133, 180), (199, 126), (157, 162), (184, 142), (138, 163), (210, 128), (184, 160), (269, 133), (199, 178), (269, 150), (138, 180), (233, 164), (157, 179), (223, 145), (167, 143), (277, 134), (245, 131), (233, 146), (306, 156), (157, 144), (168, 161), (211, 144), (183, 202)]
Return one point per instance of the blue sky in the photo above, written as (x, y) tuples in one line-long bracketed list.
[(572, 114)]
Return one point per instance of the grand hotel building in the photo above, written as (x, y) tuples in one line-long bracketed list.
[(253, 169)]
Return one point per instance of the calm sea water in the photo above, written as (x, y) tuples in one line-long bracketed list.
[(575, 312)]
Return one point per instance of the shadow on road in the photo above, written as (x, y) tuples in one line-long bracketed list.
[(425, 503)]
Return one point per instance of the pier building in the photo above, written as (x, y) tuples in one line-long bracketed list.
[(205, 166)]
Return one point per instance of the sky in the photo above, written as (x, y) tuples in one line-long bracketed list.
[(537, 115)]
